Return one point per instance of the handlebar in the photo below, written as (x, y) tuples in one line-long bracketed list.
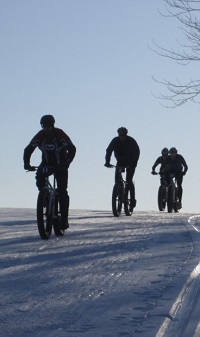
[(45, 168), (32, 169), (118, 167), (154, 173)]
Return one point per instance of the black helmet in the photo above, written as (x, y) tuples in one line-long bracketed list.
[(173, 150), (165, 151), (47, 120), (122, 131)]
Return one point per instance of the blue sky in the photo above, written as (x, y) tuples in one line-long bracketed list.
[(90, 64)]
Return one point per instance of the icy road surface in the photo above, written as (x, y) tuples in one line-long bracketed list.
[(106, 277)]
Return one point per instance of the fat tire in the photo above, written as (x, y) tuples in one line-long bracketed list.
[(162, 198), (176, 199), (129, 200), (117, 199), (56, 221), (170, 202), (44, 220)]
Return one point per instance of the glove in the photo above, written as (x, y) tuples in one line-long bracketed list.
[(184, 173), (107, 165), (28, 167), (154, 173)]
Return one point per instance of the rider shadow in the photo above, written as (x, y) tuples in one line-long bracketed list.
[(98, 215), (90, 217), (17, 222)]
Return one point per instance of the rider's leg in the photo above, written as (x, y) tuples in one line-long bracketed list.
[(62, 182), (40, 179), (179, 179), (129, 178)]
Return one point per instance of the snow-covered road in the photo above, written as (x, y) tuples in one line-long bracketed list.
[(106, 277)]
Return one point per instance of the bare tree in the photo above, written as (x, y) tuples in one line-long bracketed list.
[(187, 12)]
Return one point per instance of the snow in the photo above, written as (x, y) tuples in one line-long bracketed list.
[(106, 277)]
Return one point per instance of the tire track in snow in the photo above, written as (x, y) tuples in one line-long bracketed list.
[(104, 277)]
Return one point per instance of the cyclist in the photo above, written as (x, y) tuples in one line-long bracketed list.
[(177, 165), (160, 160), (126, 152), (58, 151)]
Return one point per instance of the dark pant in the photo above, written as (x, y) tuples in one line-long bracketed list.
[(129, 176), (61, 176), (179, 179)]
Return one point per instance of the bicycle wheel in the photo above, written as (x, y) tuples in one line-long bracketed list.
[(176, 209), (170, 201), (44, 217), (117, 199), (129, 200), (56, 220), (161, 198)]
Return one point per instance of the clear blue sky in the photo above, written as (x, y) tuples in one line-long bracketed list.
[(88, 63)]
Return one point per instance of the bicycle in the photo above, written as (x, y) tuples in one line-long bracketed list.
[(122, 194), (167, 193), (48, 212)]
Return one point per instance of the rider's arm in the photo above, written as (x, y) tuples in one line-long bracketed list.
[(27, 155), (66, 141), (135, 151), (31, 147), (157, 162), (71, 151), (109, 151), (183, 162)]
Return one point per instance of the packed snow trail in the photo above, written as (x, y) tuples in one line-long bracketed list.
[(106, 277)]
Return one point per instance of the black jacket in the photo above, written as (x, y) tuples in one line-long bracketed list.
[(178, 164), (126, 152), (56, 149)]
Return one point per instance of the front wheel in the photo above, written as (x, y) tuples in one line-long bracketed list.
[(129, 200), (162, 198), (176, 209), (117, 197), (44, 215), (170, 199)]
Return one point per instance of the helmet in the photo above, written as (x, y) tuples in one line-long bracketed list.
[(165, 151), (47, 120), (173, 150), (122, 131)]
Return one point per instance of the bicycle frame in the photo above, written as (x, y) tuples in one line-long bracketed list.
[(52, 192), (167, 193), (119, 171)]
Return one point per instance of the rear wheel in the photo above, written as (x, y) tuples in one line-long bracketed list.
[(129, 200), (162, 198), (117, 196), (44, 216), (56, 221)]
